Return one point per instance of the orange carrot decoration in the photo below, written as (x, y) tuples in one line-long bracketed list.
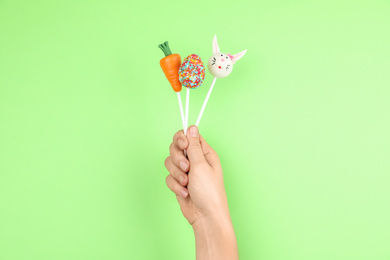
[(170, 65)]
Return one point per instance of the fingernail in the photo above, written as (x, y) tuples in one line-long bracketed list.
[(183, 166), (180, 143), (182, 180), (183, 193), (193, 131)]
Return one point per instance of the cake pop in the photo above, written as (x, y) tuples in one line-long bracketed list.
[(170, 65), (191, 76), (220, 65)]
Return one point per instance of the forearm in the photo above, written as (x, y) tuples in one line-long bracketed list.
[(215, 238)]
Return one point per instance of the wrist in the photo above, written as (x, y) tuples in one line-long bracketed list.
[(218, 220), (215, 238)]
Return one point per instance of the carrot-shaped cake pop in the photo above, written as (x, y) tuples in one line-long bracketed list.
[(170, 65)]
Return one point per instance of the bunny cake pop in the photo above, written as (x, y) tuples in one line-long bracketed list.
[(220, 65), (191, 76)]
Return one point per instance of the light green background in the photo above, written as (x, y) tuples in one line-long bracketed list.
[(302, 127)]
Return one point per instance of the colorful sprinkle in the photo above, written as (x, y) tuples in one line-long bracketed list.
[(192, 72)]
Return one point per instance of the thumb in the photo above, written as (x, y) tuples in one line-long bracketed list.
[(194, 150)]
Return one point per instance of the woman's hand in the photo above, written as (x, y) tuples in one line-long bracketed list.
[(201, 195)]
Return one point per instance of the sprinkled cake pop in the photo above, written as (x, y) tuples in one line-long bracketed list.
[(191, 76), (192, 72)]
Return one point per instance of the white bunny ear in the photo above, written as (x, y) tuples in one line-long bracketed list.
[(238, 56), (215, 45)]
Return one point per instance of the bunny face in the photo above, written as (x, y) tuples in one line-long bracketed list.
[(220, 65)]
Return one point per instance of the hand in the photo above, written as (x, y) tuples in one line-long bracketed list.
[(200, 193)]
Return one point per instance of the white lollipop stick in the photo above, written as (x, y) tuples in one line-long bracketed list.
[(205, 101), (181, 110), (187, 106)]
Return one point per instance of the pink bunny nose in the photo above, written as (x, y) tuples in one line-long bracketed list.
[(222, 60)]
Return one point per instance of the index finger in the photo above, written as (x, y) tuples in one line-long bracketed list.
[(180, 140)]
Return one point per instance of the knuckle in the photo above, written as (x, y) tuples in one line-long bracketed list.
[(170, 183), (171, 147), (167, 161), (176, 158), (195, 145), (212, 153), (177, 135), (180, 143)]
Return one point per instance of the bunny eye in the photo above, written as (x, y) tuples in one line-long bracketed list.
[(227, 57), (221, 55)]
